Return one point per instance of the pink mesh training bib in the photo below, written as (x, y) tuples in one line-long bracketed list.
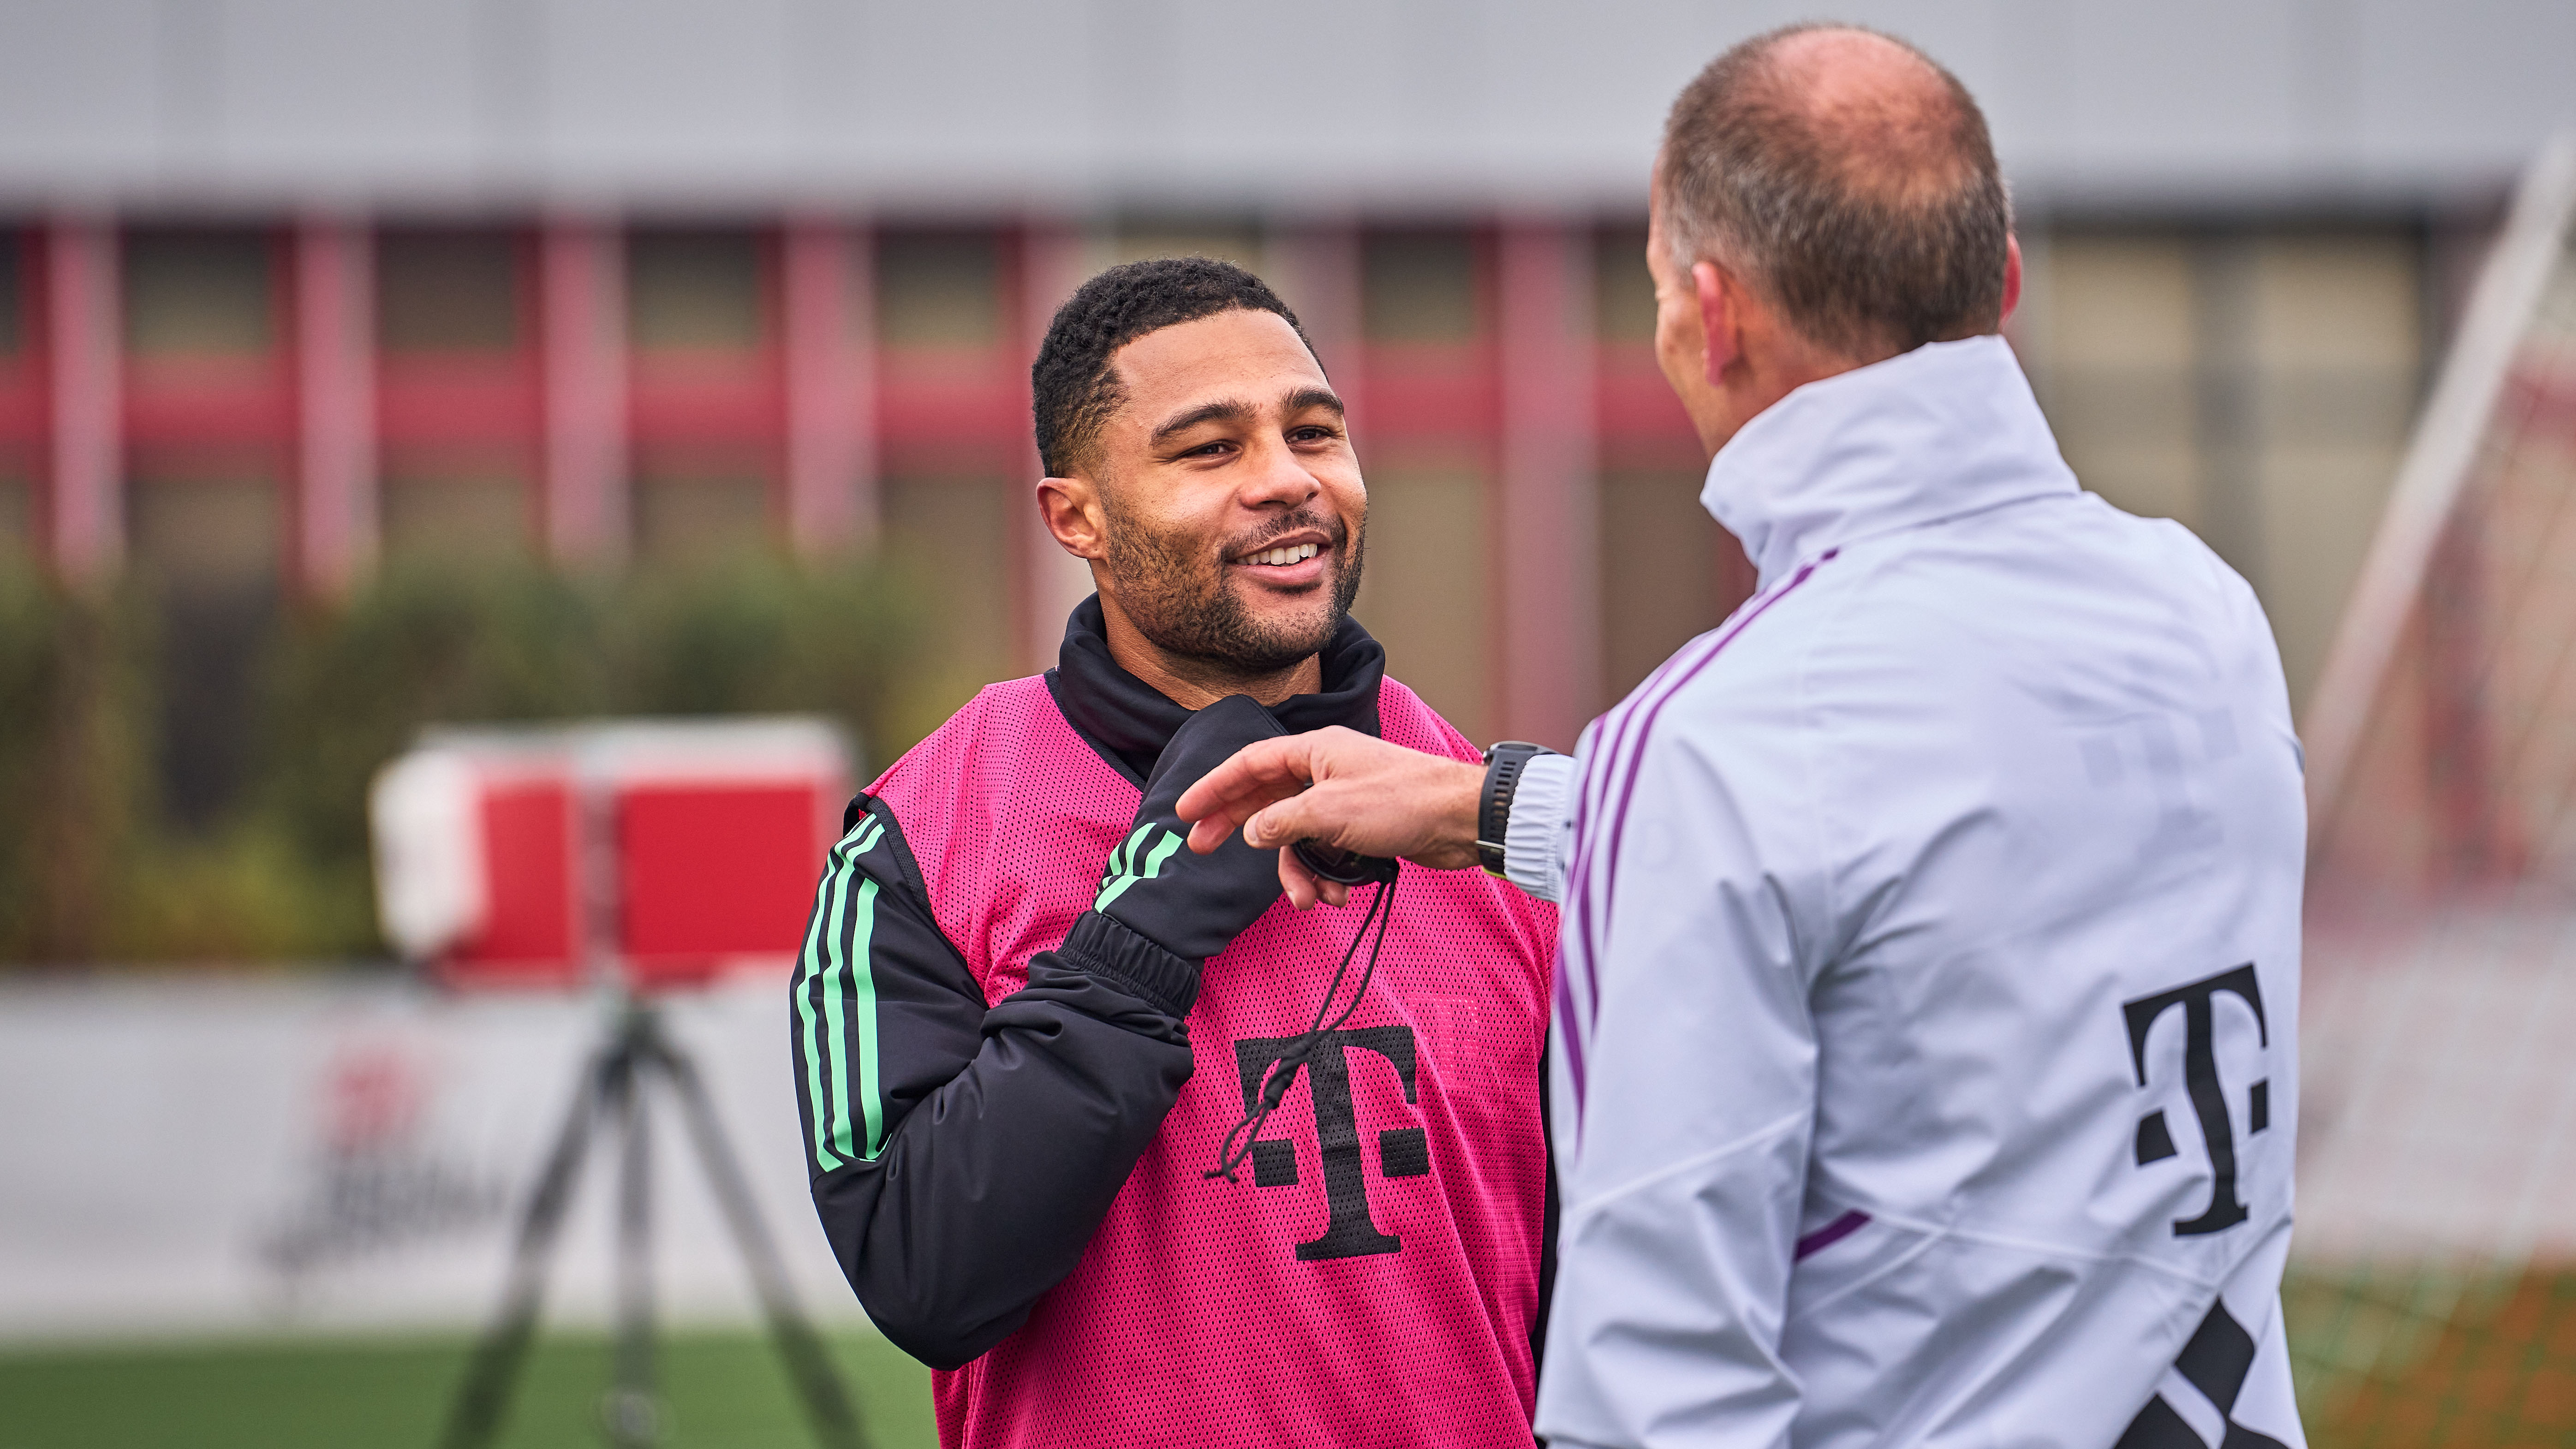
[(1371, 1278)]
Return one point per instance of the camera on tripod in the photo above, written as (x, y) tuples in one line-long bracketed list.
[(631, 859)]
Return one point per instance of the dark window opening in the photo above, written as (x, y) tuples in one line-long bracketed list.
[(693, 291), (447, 290), (200, 293)]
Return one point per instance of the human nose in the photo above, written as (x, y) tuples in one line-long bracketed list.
[(1278, 478)]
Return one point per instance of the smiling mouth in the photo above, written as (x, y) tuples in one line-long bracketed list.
[(1283, 555)]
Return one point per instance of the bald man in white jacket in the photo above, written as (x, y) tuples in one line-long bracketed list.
[(1925, 1065), (1925, 1018)]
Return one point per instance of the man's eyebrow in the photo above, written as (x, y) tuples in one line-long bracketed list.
[(1235, 410), (1316, 397), (1229, 410)]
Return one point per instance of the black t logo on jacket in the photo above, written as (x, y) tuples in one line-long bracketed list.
[(2200, 1078), (1402, 1151)]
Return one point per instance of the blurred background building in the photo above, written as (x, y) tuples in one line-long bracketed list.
[(295, 286), (367, 363)]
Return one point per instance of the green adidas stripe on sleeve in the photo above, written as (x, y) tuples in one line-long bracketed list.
[(863, 1010), (1126, 872), (1125, 852), (825, 926), (835, 962)]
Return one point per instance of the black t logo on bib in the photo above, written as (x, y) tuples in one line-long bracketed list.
[(1402, 1151)]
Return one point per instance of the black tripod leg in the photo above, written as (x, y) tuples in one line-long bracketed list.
[(475, 1419), (827, 1405), (631, 1411)]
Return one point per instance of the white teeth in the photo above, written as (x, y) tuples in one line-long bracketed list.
[(1294, 553)]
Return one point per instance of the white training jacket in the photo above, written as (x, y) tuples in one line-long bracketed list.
[(1925, 1057)]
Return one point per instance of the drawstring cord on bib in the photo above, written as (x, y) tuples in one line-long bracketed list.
[(1281, 1074)]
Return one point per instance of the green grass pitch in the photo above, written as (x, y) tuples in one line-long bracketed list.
[(721, 1390)]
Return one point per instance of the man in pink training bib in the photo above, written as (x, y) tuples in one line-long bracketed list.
[(1127, 1150)]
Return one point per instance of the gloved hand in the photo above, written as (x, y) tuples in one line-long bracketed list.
[(1191, 905)]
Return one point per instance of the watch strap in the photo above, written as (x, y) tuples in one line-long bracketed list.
[(1503, 765)]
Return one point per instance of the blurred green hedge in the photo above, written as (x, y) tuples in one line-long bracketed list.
[(92, 869)]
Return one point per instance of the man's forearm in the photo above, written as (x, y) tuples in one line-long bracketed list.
[(989, 1189), (1381, 799), (1343, 789), (965, 1151)]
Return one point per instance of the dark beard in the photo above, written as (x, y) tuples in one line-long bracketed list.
[(1173, 590)]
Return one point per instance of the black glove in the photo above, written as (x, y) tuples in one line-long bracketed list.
[(1162, 908)]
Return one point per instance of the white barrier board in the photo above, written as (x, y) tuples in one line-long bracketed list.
[(182, 1157)]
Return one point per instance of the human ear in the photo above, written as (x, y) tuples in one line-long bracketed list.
[(1720, 342), (1071, 508), (2012, 277)]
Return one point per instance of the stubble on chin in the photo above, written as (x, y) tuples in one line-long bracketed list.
[(1174, 591)]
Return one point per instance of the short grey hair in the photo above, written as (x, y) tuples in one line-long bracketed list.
[(1874, 234)]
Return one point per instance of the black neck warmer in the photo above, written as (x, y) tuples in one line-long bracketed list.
[(1129, 721)]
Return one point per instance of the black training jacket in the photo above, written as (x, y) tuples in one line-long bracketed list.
[(963, 1155)]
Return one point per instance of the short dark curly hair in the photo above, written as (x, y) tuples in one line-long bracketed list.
[(1073, 388)]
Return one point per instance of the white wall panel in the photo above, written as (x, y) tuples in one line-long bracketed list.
[(302, 1155), (331, 92), (1107, 102), (2187, 83), (80, 93), (651, 93), (2436, 81), (987, 99)]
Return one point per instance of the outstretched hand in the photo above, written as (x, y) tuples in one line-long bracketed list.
[(1341, 788)]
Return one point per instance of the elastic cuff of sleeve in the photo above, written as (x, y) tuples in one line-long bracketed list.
[(1132, 963), (1536, 834)]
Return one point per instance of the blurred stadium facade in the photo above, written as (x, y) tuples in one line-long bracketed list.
[(293, 292), (298, 284)]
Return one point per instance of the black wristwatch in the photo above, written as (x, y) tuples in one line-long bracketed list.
[(1503, 765)]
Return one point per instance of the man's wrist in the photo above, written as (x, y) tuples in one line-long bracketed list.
[(1132, 961), (1448, 839)]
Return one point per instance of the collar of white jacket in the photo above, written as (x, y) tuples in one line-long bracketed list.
[(1947, 429)]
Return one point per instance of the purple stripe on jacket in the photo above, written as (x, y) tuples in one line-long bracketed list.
[(1621, 757), (1830, 1234)]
